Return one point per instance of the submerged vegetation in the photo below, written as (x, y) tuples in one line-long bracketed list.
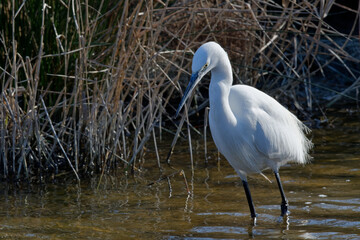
[(85, 86)]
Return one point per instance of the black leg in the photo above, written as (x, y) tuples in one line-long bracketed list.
[(284, 202), (249, 199)]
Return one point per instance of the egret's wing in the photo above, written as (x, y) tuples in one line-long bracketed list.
[(275, 132), (279, 135), (272, 137)]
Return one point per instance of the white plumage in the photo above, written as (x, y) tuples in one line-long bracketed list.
[(261, 133), (251, 129)]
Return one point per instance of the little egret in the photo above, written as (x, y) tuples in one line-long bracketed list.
[(251, 129)]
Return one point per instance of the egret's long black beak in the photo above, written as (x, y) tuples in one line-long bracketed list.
[(195, 78)]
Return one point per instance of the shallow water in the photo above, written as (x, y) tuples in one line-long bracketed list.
[(324, 198)]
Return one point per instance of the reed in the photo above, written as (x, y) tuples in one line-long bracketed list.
[(85, 86)]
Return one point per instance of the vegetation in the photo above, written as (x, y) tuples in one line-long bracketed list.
[(86, 84)]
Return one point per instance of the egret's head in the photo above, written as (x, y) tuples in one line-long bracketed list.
[(203, 62), (205, 58)]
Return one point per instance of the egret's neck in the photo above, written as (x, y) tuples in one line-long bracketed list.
[(222, 72), (220, 84)]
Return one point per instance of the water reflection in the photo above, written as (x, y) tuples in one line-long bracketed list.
[(324, 199)]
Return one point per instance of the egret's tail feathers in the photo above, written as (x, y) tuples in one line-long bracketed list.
[(306, 143)]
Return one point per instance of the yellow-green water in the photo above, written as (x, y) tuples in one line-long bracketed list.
[(324, 199)]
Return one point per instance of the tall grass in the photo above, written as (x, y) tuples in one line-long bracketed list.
[(85, 86)]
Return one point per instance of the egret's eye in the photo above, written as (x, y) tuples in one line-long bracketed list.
[(205, 66)]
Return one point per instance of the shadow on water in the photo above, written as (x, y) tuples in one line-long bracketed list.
[(324, 199)]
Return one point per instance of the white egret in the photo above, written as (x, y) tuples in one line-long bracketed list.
[(251, 129)]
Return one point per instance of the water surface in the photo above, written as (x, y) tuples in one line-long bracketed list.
[(324, 198)]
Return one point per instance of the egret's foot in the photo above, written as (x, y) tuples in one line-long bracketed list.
[(284, 209), (283, 220), (253, 221)]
